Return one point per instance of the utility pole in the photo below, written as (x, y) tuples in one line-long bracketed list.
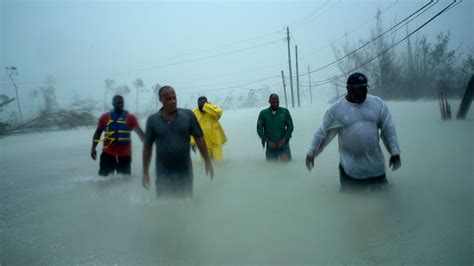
[(297, 77), (13, 71), (284, 88), (310, 89), (289, 64)]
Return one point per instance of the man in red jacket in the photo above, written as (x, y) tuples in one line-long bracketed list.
[(117, 144)]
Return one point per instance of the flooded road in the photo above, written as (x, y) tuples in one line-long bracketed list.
[(55, 210)]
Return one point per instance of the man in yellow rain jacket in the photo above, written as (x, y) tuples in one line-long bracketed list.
[(208, 116)]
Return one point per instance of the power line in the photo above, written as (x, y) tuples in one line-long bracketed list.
[(372, 40), (355, 29), (216, 84), (310, 17), (225, 45), (305, 20), (189, 81), (234, 86), (203, 58), (229, 44), (347, 34), (232, 73), (322, 82), (206, 57)]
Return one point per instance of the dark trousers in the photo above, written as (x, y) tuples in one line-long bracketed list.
[(174, 186), (110, 163), (274, 154), (174, 179), (349, 183)]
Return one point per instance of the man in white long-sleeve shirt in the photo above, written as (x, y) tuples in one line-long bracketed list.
[(357, 119)]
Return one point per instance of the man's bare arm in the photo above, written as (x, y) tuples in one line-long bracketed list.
[(95, 141), (139, 132), (147, 152), (203, 150)]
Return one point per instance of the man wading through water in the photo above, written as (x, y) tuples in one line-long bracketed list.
[(359, 120), (171, 128), (117, 144)]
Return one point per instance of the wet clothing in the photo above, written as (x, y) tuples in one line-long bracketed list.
[(274, 126), (117, 144), (349, 183), (175, 183), (276, 153), (109, 164), (214, 134), (174, 174), (357, 127), (111, 122), (117, 130)]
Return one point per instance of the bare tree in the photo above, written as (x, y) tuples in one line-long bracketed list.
[(122, 90), (48, 91), (80, 104), (421, 72)]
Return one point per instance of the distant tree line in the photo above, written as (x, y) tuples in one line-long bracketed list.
[(235, 98), (49, 115), (423, 70)]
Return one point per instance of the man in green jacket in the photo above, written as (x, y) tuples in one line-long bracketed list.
[(274, 127)]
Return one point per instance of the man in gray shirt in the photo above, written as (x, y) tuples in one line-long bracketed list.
[(357, 119), (171, 129)]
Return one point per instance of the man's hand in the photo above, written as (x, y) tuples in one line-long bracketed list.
[(209, 169), (93, 154), (309, 162), (201, 144), (146, 181), (395, 162)]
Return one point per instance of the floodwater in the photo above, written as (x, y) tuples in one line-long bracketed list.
[(55, 210)]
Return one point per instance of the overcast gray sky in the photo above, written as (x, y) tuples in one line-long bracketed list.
[(193, 46)]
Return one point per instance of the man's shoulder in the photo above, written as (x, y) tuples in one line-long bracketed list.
[(153, 116), (284, 110), (339, 102), (104, 116), (374, 98), (131, 116), (184, 111), (265, 111), (185, 114)]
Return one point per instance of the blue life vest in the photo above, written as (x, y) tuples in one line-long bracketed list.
[(116, 129)]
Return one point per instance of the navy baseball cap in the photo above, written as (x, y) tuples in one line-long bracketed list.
[(357, 80)]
